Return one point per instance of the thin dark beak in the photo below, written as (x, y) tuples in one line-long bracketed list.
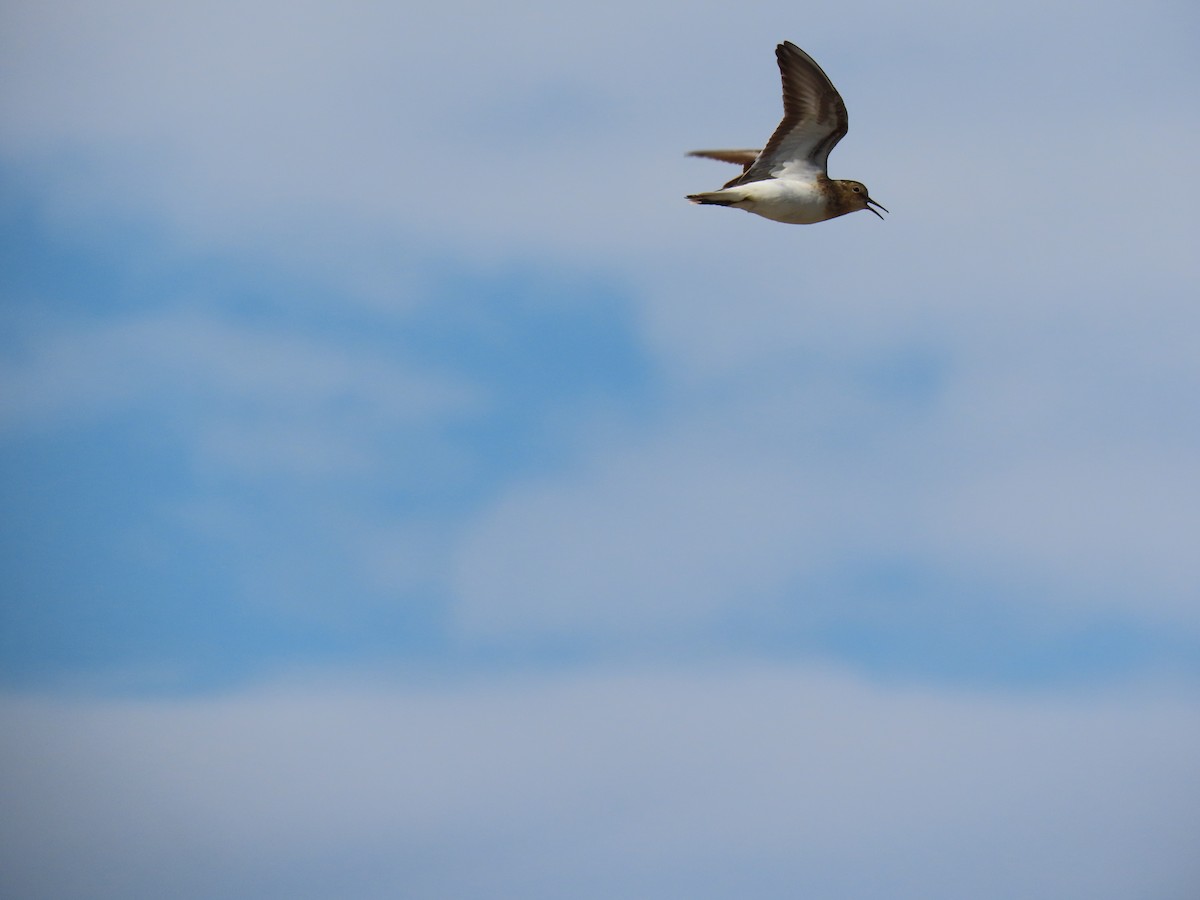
[(880, 205)]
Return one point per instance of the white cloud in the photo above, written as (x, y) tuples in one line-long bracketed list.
[(766, 492), (759, 781), (648, 544), (255, 398), (1100, 531)]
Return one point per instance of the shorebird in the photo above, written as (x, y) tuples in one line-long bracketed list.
[(788, 180)]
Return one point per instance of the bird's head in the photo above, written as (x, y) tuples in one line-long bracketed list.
[(854, 196)]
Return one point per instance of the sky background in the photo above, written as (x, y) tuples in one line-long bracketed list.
[(407, 493)]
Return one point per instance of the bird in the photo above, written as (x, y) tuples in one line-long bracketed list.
[(788, 180)]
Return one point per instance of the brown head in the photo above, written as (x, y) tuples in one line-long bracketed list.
[(852, 196)]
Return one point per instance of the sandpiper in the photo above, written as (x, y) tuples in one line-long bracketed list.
[(788, 180)]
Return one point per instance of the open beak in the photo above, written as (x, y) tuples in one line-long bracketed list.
[(872, 209)]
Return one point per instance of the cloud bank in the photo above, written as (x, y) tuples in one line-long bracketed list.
[(748, 780)]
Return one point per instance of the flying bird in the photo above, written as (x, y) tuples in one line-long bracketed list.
[(788, 180)]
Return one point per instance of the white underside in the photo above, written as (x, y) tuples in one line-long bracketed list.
[(794, 201)]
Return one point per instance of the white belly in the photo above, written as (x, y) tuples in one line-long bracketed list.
[(783, 200)]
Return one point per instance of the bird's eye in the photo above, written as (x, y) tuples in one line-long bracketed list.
[(858, 190)]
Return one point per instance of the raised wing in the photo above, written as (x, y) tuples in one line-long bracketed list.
[(814, 120)]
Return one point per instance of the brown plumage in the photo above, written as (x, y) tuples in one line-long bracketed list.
[(788, 179)]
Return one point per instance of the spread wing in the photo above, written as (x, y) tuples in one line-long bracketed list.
[(814, 120)]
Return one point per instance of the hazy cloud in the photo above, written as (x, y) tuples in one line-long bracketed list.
[(752, 780)]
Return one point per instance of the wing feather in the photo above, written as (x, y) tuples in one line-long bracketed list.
[(814, 120), (743, 158)]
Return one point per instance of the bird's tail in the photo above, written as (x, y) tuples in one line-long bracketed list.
[(714, 198)]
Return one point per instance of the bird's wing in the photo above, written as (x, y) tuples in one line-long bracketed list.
[(743, 158), (814, 120)]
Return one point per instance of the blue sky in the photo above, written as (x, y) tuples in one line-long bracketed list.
[(409, 494)]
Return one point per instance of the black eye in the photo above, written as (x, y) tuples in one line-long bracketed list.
[(858, 190)]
